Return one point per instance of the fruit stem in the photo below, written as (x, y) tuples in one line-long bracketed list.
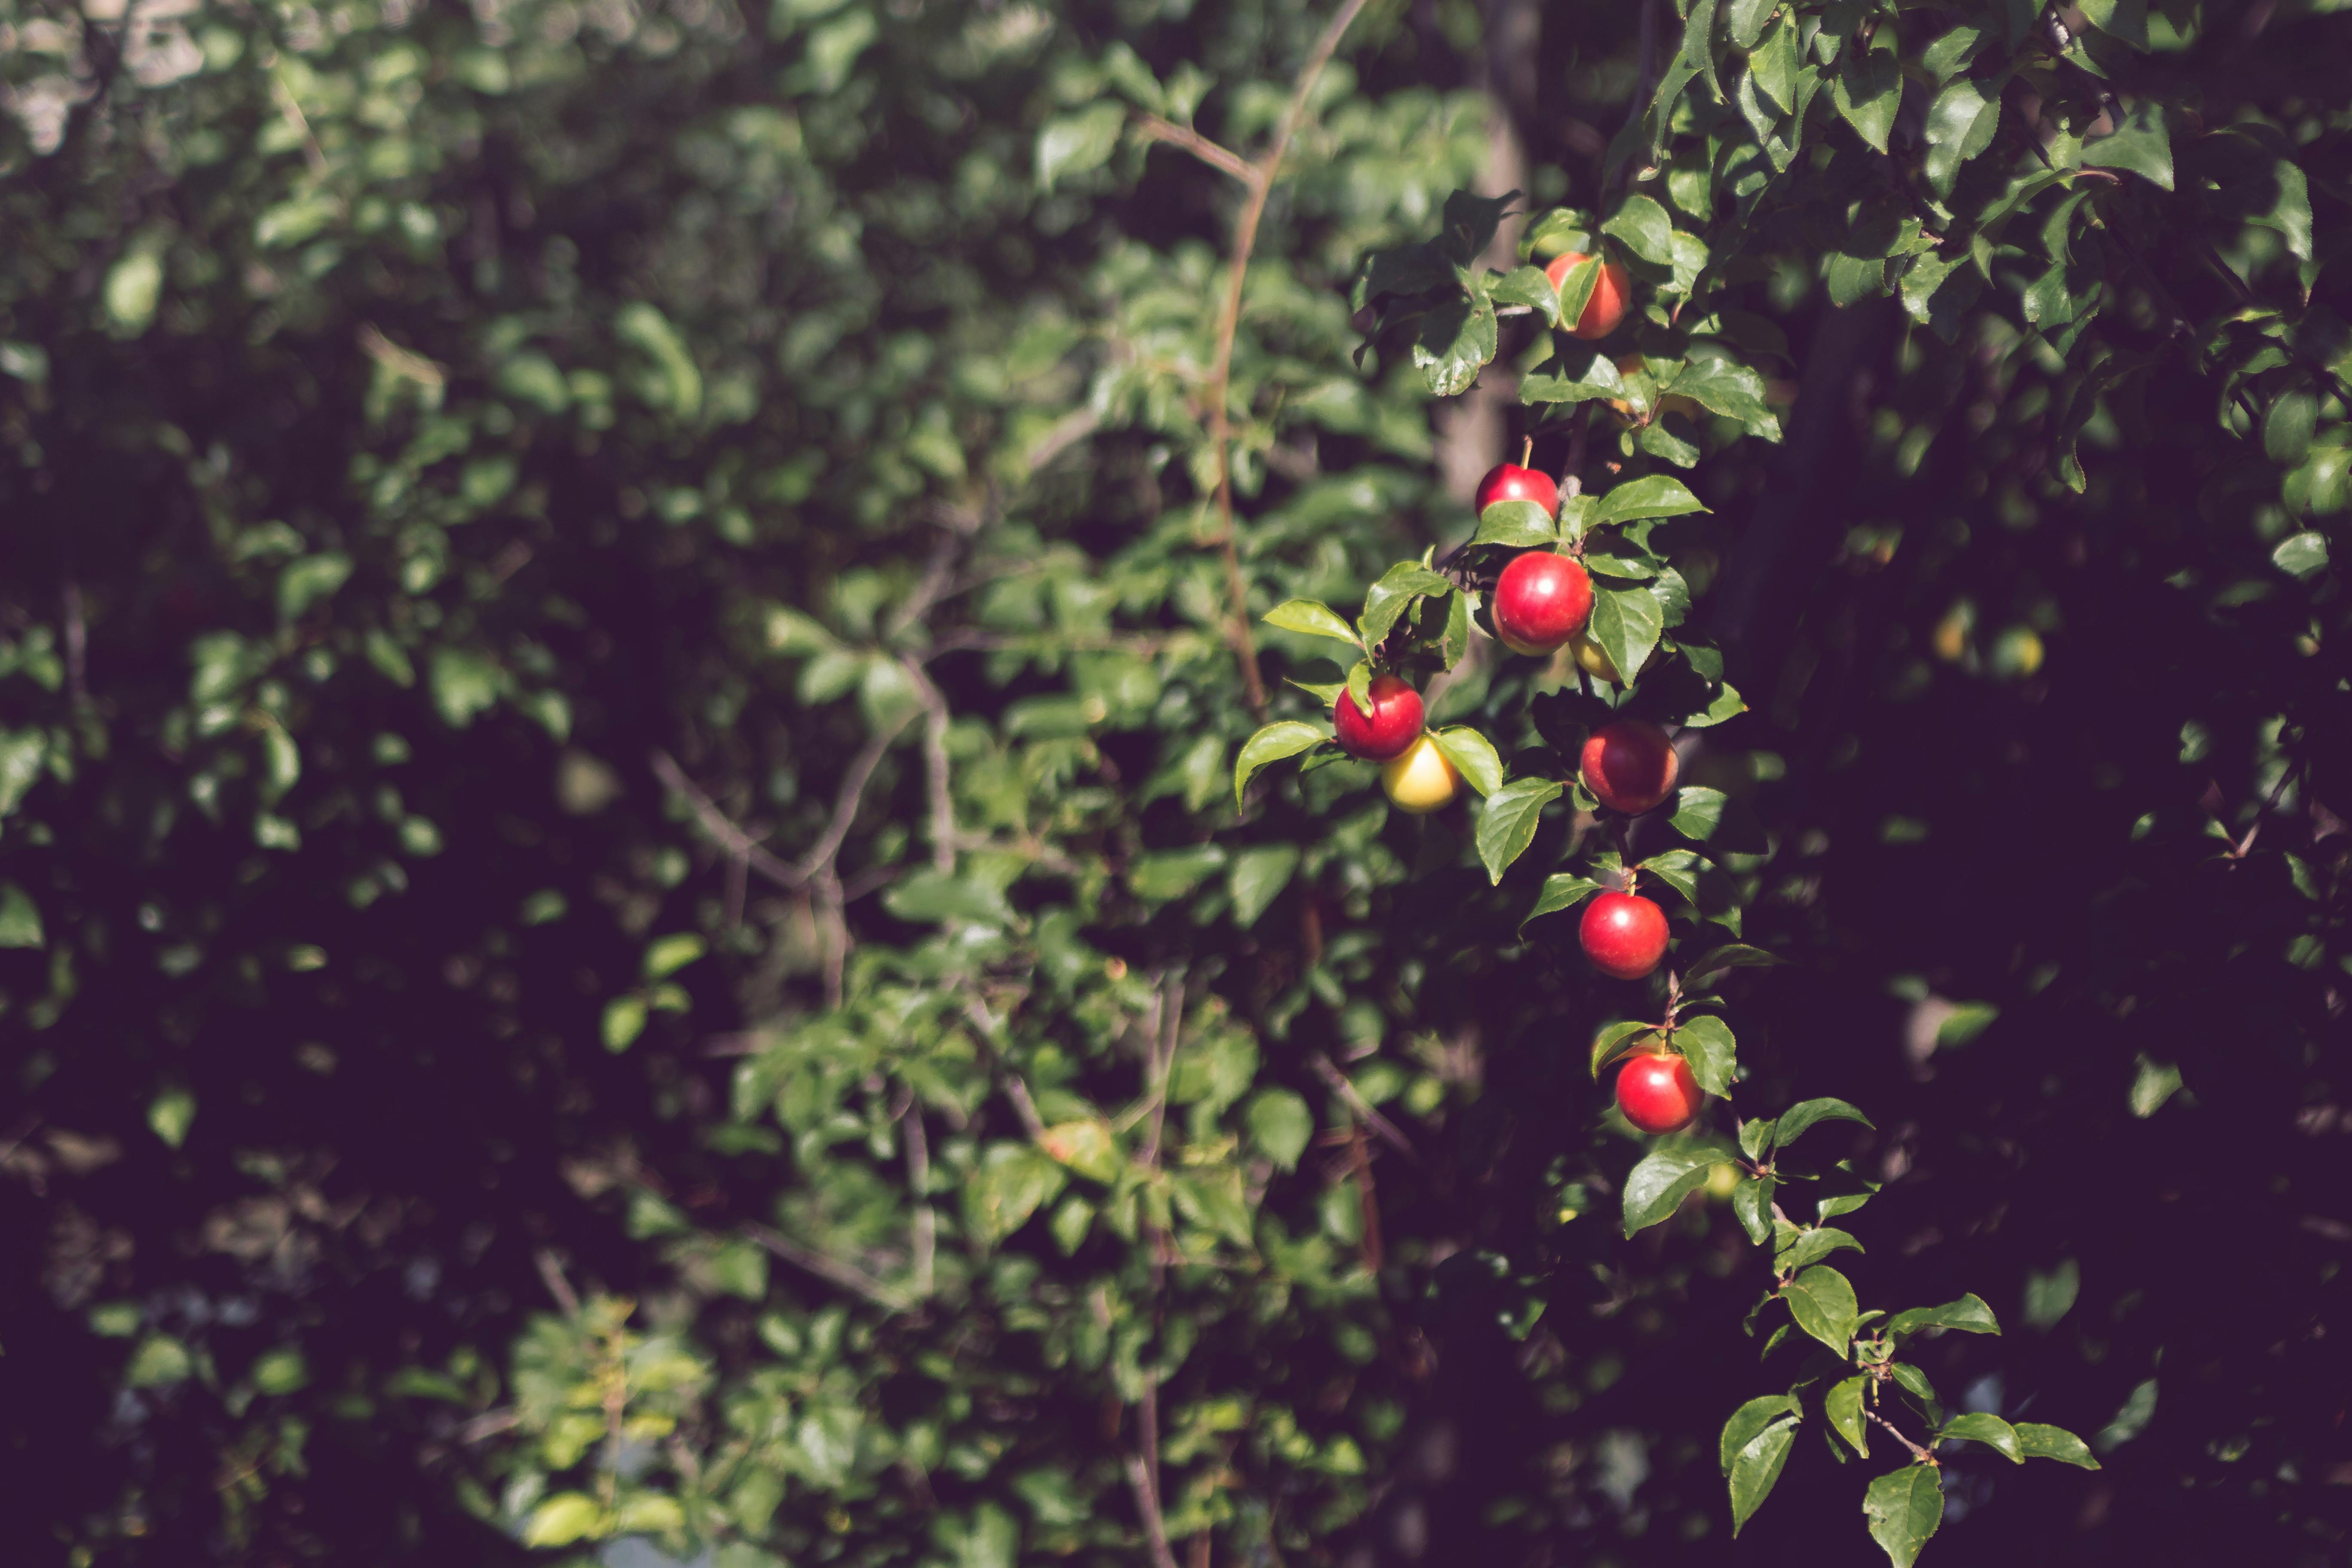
[(1527, 451)]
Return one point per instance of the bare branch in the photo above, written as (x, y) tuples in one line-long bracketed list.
[(550, 1271), (76, 646), (918, 1182), (401, 362), (1922, 1454), (849, 1277), (845, 801), (1210, 153), (489, 1424), (1363, 1108), (1015, 1090), (1140, 1481), (738, 845), (935, 765)]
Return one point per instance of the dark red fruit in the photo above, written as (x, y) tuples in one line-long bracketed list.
[(1624, 934), (1508, 482), (1393, 724), (1656, 1092), (1541, 600), (1629, 765)]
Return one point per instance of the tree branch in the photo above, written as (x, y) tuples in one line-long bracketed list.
[(849, 1277), (1221, 158), (1922, 1454), (1363, 1108), (918, 1181)]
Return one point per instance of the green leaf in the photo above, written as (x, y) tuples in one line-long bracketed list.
[(1960, 125), (1805, 1113), (1757, 1466), (1730, 955), (1313, 618), (1456, 340), (1843, 1407), (1950, 54), (20, 918), (1077, 144), (306, 582), (1165, 874), (1913, 1380), (2050, 1297), (2302, 555), (159, 1361), (1561, 891), (1706, 1040), (1473, 755), (671, 953), (2141, 145), (2155, 1083), (1810, 1245), (1904, 1507), (2126, 21), (1455, 640), (2037, 1440), (1627, 622), (1285, 737), (1657, 1185), (1699, 812), (1822, 1301), (1397, 587), (563, 1519), (1729, 388), (1010, 1182), (1756, 1136), (1576, 286), (1982, 1426), (1359, 685), (1527, 285), (170, 1115), (1280, 1124), (1578, 373), (1257, 876), (1751, 1205), (1615, 1039), (1748, 1421), (645, 329), (2287, 428), (624, 1020), (1642, 226), (1087, 1146), (1656, 495), (1868, 87), (1507, 825), (464, 685), (934, 897), (1969, 1314), (1743, 21), (1523, 524)]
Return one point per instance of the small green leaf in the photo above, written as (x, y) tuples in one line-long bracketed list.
[(2155, 1083), (1642, 226), (624, 1020), (2142, 145), (1577, 373), (159, 1361), (1699, 812), (1748, 1421), (1077, 144), (1706, 1041), (1523, 524), (2050, 1297), (1561, 891), (1757, 1467), (1730, 955), (1655, 495), (1751, 1205), (1844, 1406), (1904, 1507), (306, 582), (464, 684), (1392, 594), (1960, 125), (1527, 285), (2038, 1440), (1258, 875), (1314, 618), (1969, 1314), (1473, 755), (20, 918), (1810, 1245), (170, 1114), (1983, 1427), (671, 953), (1868, 87), (1615, 1039), (1454, 343), (1822, 1301), (563, 1519), (1507, 825), (1627, 622), (1280, 1125), (1756, 1136), (1805, 1113), (1010, 1183), (1087, 1146), (2302, 555), (1285, 737), (1657, 1185), (1576, 286)]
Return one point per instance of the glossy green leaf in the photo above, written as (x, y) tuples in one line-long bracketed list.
[(1527, 285), (563, 1519), (1577, 373), (2153, 1083), (1010, 1182), (1747, 1422), (1757, 1467), (1969, 1314), (1731, 956), (1983, 1427), (1697, 811), (1508, 824), (1811, 1245), (1822, 1301), (1284, 738), (1077, 143), (1729, 388), (2037, 1440), (1472, 754), (1843, 1407), (1642, 226), (1257, 876), (1751, 1205), (1904, 1507), (2142, 145), (1393, 594), (1656, 1187), (1280, 1126), (1312, 617), (1654, 495), (1517, 522), (1960, 125), (1454, 343), (1806, 1113), (1617, 1039), (1706, 1041), (1626, 622), (1561, 891), (1868, 87)]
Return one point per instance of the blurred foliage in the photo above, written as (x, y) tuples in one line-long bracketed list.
[(624, 926)]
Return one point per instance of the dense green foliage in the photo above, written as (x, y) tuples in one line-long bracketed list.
[(626, 911)]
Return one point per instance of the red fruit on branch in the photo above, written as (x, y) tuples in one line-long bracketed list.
[(1629, 765), (1508, 482), (1541, 600), (1393, 724), (1612, 291), (1623, 934), (1656, 1092)]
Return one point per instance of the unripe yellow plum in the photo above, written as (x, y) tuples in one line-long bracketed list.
[(1421, 779), (1594, 660)]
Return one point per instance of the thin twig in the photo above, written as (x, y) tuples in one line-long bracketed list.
[(848, 1275), (1922, 1454), (401, 362), (935, 765), (489, 1424), (1363, 1108), (1367, 1202), (1147, 1496), (918, 1181), (2256, 828), (1015, 1090), (1229, 317), (1210, 153), (845, 801), (76, 647), (550, 1271), (740, 846), (1143, 1466)]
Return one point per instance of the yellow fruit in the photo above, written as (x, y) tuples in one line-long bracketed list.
[(1673, 403), (1594, 660), (1421, 779)]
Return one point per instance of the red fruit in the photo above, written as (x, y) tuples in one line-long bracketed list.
[(1624, 934), (1508, 482), (1540, 601), (1656, 1092), (1612, 291), (1393, 724), (1629, 765)]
